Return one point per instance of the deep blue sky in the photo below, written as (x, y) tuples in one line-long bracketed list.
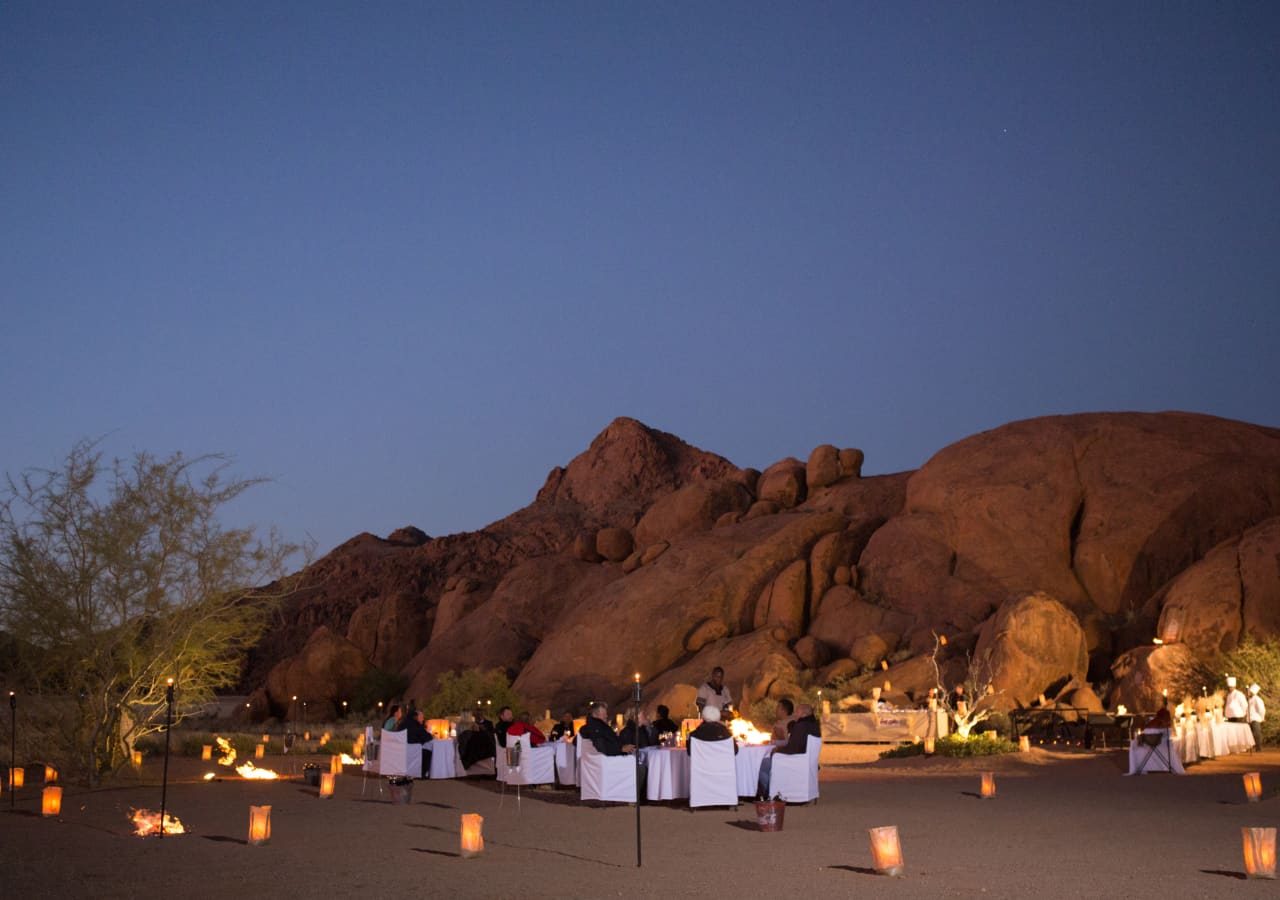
[(407, 257)]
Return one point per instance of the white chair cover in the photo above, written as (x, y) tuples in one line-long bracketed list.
[(537, 764), (600, 777), (396, 756), (370, 751), (713, 777), (499, 760), (566, 763), (795, 776), (1143, 759)]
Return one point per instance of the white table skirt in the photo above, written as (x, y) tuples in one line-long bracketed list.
[(668, 777), (748, 763), (566, 762), (1144, 759), (444, 758)]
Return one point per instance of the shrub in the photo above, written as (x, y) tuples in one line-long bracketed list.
[(902, 751), (457, 691), (1258, 662), (374, 686), (976, 745)]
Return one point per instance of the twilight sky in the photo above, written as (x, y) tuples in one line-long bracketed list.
[(407, 257)]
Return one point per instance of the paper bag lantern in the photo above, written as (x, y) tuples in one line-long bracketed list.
[(929, 745), (335, 764), (1259, 852), (17, 775), (50, 775), (988, 785), (1253, 786), (327, 781), (472, 835), (51, 801), (886, 850), (259, 825), (206, 752), (1024, 744), (259, 751), (439, 728), (136, 756), (266, 739)]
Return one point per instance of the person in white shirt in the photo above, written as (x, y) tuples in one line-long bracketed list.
[(1236, 706), (714, 692), (1257, 713)]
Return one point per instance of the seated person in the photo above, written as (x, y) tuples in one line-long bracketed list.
[(416, 733), (647, 738), (664, 724), (1161, 719), (711, 729), (505, 718), (785, 717), (522, 725), (806, 724), (602, 737), (476, 743), (395, 718), (563, 728)]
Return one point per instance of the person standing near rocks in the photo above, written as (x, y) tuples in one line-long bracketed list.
[(1257, 715), (1236, 706), (714, 692)]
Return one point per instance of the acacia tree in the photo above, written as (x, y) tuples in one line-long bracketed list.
[(114, 579), (978, 688)]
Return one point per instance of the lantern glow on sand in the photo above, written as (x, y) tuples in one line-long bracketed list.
[(988, 785), (327, 781), (472, 835), (886, 850), (1259, 852), (51, 801), (259, 825), (1253, 786)]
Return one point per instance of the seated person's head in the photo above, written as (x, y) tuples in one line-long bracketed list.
[(523, 716), (394, 711), (566, 718), (663, 712), (786, 709), (804, 709), (710, 713), (600, 710), (505, 714)]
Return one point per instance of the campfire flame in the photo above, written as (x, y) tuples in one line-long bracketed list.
[(746, 733), (249, 770), (228, 752), (351, 760), (147, 822)]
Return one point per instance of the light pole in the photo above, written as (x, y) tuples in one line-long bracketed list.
[(635, 697), (168, 728), (13, 742)]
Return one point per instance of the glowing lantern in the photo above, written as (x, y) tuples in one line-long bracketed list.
[(888, 686), (942, 639), (886, 850), (206, 752), (137, 759), (1253, 786), (17, 775), (259, 825), (578, 723), (266, 739), (50, 775), (618, 720), (1259, 852), (259, 751), (439, 728), (327, 781), (988, 785), (472, 835), (1120, 710), (335, 765), (51, 801), (1024, 744), (306, 735), (929, 745), (884, 665)]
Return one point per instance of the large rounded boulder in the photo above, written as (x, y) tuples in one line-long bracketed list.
[(1031, 644), (691, 509)]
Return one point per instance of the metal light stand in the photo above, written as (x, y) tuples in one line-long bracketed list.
[(13, 743), (168, 728), (635, 698)]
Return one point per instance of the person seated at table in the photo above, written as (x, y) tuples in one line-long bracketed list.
[(476, 743), (664, 724), (648, 737), (1161, 719), (416, 732), (395, 718), (563, 728), (523, 725), (784, 718), (805, 724), (602, 737), (505, 718), (711, 729)]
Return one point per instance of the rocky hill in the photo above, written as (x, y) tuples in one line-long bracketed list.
[(1056, 548)]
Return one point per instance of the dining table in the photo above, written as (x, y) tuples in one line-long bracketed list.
[(668, 777), (748, 761), (444, 758)]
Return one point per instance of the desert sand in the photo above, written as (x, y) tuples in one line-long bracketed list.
[(1061, 825)]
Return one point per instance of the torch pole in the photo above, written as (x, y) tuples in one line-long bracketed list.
[(168, 727), (13, 743), (636, 719)]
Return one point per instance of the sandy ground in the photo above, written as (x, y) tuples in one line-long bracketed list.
[(1062, 825)]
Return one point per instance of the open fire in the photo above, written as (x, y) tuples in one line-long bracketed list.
[(249, 770), (228, 752), (746, 733), (147, 822)]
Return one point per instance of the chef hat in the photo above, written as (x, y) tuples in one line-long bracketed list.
[(1253, 689), (710, 713), (1231, 681)]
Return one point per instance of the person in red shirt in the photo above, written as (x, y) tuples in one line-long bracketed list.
[(522, 725)]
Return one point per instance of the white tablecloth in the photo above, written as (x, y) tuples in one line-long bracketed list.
[(566, 762), (444, 758), (748, 762), (668, 777), (1194, 741)]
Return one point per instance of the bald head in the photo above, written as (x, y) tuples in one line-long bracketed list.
[(804, 709)]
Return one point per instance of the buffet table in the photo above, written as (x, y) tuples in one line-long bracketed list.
[(890, 726)]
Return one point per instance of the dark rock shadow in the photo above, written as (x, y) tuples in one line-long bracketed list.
[(436, 805), (861, 870), (436, 852), (745, 824), (1229, 874), (223, 839), (974, 794)]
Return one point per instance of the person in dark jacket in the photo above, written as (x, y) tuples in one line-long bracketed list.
[(806, 724), (647, 737), (416, 733), (505, 718), (664, 724), (597, 731), (711, 729), (563, 727)]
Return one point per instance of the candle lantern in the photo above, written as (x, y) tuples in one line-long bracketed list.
[(988, 785), (1253, 786), (259, 751), (266, 739), (1259, 852), (136, 757), (50, 775), (886, 850), (259, 825), (327, 781), (888, 686), (306, 735), (472, 835), (618, 719), (17, 776), (929, 745), (1024, 744), (51, 801), (206, 752)]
